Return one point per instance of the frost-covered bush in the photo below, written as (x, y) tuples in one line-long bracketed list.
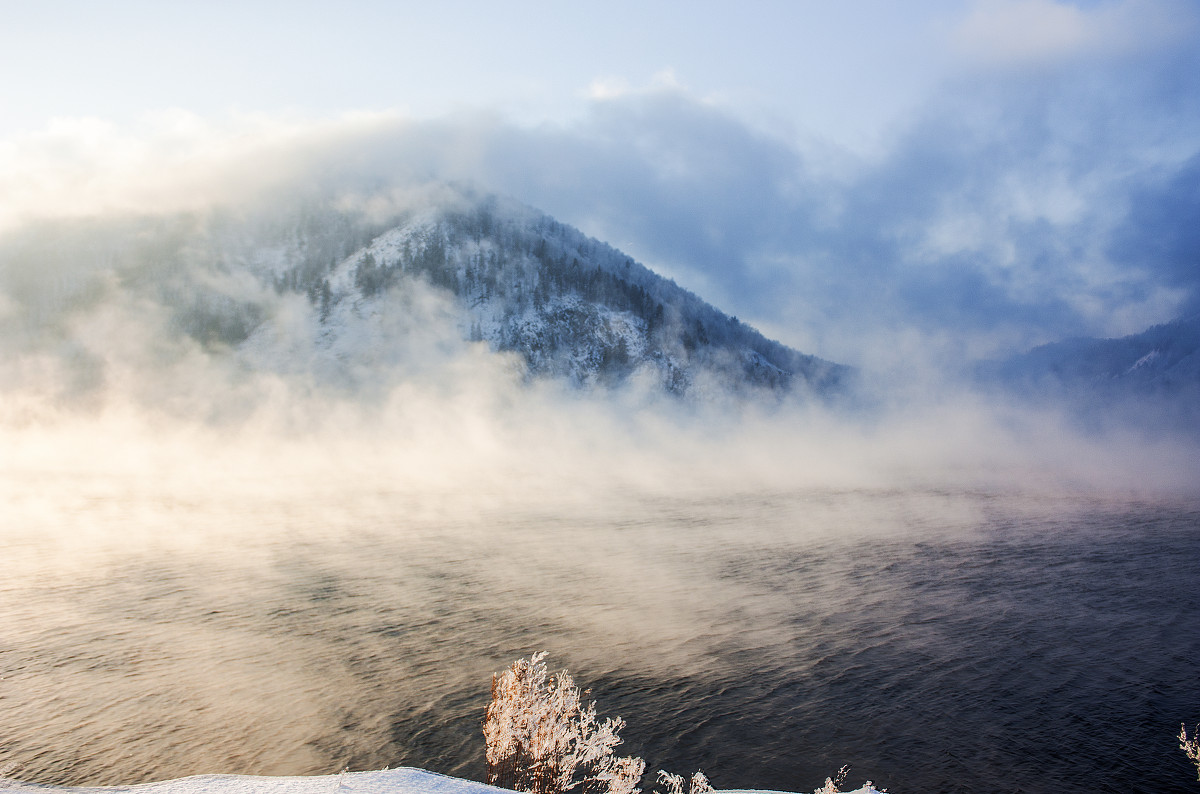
[(1191, 746), (833, 785), (542, 739), (674, 783)]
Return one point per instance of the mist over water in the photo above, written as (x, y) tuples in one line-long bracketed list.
[(935, 639), (247, 552)]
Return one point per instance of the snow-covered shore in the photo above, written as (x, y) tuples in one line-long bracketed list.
[(389, 781)]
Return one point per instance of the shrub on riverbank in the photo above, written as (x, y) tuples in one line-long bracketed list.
[(543, 740)]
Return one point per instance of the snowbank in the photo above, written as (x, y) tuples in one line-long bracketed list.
[(388, 781)]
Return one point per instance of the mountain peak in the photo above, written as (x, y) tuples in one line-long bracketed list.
[(346, 295), (571, 306)]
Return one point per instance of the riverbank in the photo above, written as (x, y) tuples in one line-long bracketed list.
[(388, 781)]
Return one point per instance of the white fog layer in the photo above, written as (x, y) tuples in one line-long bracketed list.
[(800, 455)]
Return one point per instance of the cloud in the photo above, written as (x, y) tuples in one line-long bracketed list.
[(167, 162), (608, 88), (1039, 32), (1160, 232), (1017, 208), (968, 236), (987, 222)]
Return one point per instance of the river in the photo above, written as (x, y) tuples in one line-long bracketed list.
[(935, 640)]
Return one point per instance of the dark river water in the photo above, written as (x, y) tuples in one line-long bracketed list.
[(935, 641)]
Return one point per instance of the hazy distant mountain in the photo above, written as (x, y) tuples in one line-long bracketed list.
[(1143, 378), (572, 307)]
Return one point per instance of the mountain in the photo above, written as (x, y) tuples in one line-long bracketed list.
[(1145, 378), (505, 275)]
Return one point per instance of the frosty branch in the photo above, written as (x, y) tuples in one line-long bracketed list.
[(542, 739)]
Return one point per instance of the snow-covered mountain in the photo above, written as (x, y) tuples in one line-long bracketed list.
[(570, 305), (501, 273), (1143, 379)]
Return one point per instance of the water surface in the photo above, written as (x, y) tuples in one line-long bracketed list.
[(934, 640)]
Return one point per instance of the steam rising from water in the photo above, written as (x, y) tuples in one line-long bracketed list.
[(280, 543), (114, 408), (127, 436), (178, 602)]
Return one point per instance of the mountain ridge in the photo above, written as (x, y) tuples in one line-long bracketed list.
[(502, 274), (1150, 379), (1164, 357), (570, 305)]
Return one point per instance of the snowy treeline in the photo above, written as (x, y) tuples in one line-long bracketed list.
[(570, 305), (1149, 379)]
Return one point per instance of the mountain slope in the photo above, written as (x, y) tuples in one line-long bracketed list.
[(322, 288), (570, 305), (1164, 359), (1143, 378)]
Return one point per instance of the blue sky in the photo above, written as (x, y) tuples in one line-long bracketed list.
[(788, 61), (864, 180)]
